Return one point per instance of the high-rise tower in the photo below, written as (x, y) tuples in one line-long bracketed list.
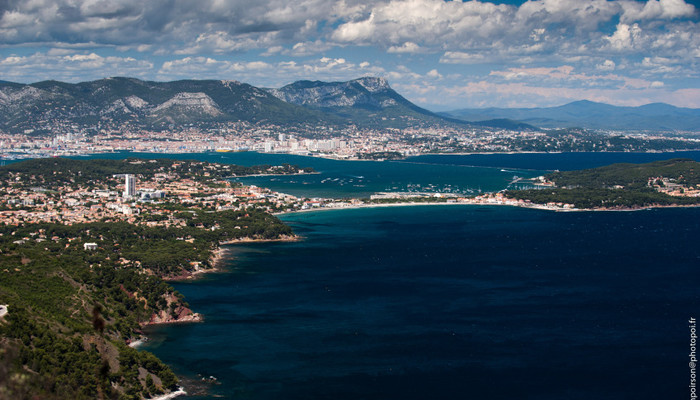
[(129, 185)]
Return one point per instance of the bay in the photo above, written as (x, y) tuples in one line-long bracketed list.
[(449, 302)]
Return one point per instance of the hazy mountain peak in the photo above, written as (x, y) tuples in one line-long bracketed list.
[(593, 115)]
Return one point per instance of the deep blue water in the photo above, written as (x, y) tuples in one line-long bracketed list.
[(449, 302)]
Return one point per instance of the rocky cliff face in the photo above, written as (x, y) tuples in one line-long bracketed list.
[(368, 101), (180, 313), (364, 92)]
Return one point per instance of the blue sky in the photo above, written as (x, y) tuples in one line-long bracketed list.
[(440, 54)]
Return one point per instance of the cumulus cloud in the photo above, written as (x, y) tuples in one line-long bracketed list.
[(428, 21), (656, 9), (165, 23), (467, 31), (408, 47), (625, 37), (69, 66), (433, 73), (607, 65), (265, 73), (460, 57), (302, 49), (535, 29), (567, 76)]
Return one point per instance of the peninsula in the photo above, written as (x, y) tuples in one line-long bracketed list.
[(667, 183)]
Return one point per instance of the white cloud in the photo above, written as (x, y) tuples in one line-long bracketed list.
[(408, 47), (625, 37), (663, 66), (565, 76), (433, 73), (466, 32), (303, 49), (264, 73), (607, 65), (460, 57), (530, 32), (656, 9), (72, 67), (482, 93)]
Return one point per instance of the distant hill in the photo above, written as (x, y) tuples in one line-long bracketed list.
[(592, 115), (365, 101), (503, 123)]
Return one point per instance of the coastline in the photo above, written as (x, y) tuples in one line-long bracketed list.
[(257, 175), (531, 206), (185, 315), (282, 238), (218, 256)]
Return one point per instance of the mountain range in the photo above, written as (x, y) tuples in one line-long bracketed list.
[(147, 104), (591, 115), (367, 102)]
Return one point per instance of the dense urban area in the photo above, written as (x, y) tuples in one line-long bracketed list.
[(341, 143)]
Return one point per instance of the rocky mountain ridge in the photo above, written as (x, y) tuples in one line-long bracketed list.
[(367, 102), (153, 105)]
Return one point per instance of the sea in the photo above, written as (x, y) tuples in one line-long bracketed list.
[(445, 301)]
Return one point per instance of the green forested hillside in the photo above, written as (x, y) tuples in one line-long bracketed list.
[(684, 171), (619, 185), (51, 346)]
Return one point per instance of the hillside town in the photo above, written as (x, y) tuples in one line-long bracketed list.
[(135, 199)]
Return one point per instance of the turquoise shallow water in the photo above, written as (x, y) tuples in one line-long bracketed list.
[(467, 174), (449, 302), (340, 179)]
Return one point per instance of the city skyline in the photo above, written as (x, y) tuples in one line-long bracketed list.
[(440, 55)]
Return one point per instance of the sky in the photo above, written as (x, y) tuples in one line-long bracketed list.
[(442, 55)]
